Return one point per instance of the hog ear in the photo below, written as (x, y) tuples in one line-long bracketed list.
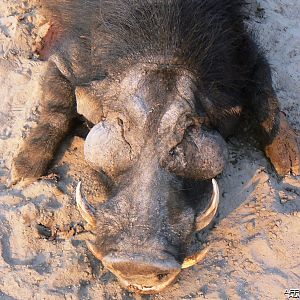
[(48, 42), (64, 19), (206, 217)]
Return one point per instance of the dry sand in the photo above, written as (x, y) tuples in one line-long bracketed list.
[(255, 244)]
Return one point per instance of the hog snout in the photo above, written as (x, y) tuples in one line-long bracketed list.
[(142, 274)]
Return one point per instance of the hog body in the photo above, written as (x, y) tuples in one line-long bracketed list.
[(164, 83)]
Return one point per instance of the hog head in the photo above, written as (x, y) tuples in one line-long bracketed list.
[(156, 147)]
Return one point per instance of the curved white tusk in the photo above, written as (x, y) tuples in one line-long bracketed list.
[(87, 211), (94, 250), (210, 211), (195, 258), (84, 236)]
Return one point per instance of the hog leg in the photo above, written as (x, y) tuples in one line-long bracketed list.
[(277, 137), (57, 112)]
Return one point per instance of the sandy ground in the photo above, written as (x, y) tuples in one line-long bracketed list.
[(255, 244)]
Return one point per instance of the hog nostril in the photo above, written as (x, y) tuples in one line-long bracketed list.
[(143, 272), (162, 276)]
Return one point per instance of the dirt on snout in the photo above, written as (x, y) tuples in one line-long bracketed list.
[(255, 244)]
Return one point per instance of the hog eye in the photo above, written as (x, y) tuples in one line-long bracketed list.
[(106, 149), (172, 152), (204, 121)]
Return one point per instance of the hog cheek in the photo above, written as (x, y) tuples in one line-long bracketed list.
[(106, 150), (199, 156), (205, 156)]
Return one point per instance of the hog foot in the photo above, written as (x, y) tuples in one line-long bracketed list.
[(28, 166), (284, 152)]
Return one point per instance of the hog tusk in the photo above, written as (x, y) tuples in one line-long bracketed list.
[(87, 211), (195, 258), (94, 250), (207, 216), (84, 236)]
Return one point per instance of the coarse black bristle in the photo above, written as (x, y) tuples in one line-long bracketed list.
[(196, 34)]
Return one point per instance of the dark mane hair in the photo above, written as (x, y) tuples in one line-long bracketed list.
[(185, 32), (200, 35)]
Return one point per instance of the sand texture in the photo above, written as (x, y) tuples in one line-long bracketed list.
[(255, 244)]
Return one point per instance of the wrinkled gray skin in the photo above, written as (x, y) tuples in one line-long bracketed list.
[(147, 145), (171, 128)]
